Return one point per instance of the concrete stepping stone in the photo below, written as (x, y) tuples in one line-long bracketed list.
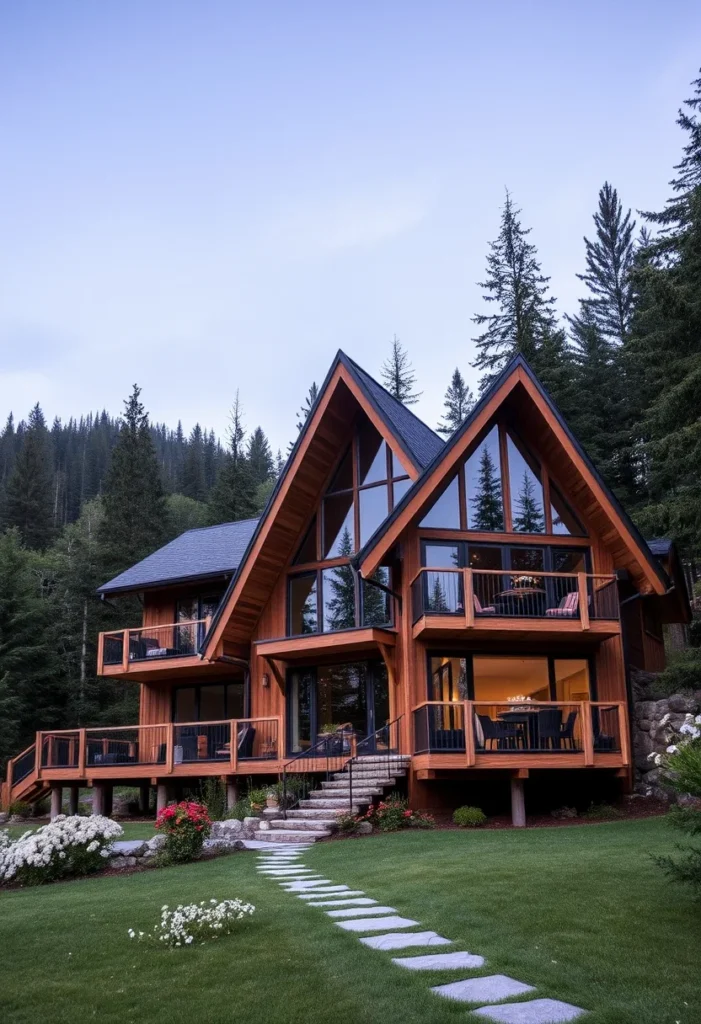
[(286, 872), (359, 911), (536, 1011), (440, 961), (377, 924), (483, 990), (367, 902), (332, 890), (402, 940), (299, 884)]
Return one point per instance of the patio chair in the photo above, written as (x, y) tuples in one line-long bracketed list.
[(568, 607), (246, 738), (481, 609), (567, 731), (507, 737), (550, 729)]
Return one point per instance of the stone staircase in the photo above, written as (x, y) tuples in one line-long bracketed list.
[(315, 817)]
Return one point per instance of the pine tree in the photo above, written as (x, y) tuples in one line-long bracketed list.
[(437, 600), (339, 590), (135, 512), (487, 509), (665, 349), (30, 505), (398, 375), (279, 464), (609, 264), (194, 482), (458, 403), (529, 514), (233, 496), (516, 284), (260, 457), (303, 413)]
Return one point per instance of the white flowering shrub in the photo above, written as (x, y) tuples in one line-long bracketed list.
[(195, 922), (681, 766), (66, 847)]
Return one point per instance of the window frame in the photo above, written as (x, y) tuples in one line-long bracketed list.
[(550, 656)]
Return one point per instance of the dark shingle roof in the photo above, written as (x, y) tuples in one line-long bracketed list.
[(211, 551), (422, 442), (661, 547)]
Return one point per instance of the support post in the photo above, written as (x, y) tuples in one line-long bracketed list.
[(73, 797), (98, 798), (109, 791), (56, 800), (518, 803), (232, 794), (161, 797), (144, 797)]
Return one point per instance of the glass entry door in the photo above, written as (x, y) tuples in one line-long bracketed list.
[(341, 700)]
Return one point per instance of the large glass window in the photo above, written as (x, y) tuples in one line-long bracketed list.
[(501, 679), (483, 476), (209, 703), (527, 509), (303, 614), (448, 679), (373, 510), (571, 679), (372, 455), (563, 518), (336, 701), (444, 514), (338, 593), (300, 686), (338, 526), (376, 603)]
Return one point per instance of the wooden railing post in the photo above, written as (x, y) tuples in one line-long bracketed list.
[(100, 653), (587, 732), (469, 724), (623, 730), (81, 751), (583, 600), (38, 755), (469, 598), (233, 745), (169, 749), (125, 649)]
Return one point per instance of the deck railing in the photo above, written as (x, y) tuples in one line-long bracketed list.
[(520, 727), (474, 595), (151, 643)]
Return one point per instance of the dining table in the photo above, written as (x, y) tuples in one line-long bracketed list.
[(521, 601), (527, 718)]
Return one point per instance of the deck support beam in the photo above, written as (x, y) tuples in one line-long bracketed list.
[(232, 794), (518, 802), (56, 800), (73, 797)]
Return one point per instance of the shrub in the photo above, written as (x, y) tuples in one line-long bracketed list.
[(469, 817), (394, 813), (682, 675), (213, 795), (601, 812), (67, 847), (257, 798), (20, 808), (347, 823), (681, 766), (186, 826), (241, 809), (180, 927)]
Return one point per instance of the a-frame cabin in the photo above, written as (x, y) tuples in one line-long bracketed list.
[(465, 612)]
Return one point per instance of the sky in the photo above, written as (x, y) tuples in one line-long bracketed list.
[(212, 196)]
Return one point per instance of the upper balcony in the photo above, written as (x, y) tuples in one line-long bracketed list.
[(149, 649), (515, 605)]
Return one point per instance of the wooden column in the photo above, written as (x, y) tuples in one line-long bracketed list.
[(585, 711), (469, 723), (518, 802), (125, 650), (56, 799), (232, 793), (468, 598), (583, 600), (98, 798), (73, 798), (161, 797)]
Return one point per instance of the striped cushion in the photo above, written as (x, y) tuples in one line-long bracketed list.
[(567, 608)]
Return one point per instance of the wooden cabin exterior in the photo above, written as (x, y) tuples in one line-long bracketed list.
[(474, 605)]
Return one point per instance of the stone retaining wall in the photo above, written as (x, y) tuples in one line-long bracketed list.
[(651, 736)]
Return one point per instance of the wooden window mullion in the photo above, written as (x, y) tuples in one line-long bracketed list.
[(505, 483)]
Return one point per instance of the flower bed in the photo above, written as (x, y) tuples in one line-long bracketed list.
[(67, 847), (388, 816), (180, 927)]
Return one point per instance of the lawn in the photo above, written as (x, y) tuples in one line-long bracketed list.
[(581, 912)]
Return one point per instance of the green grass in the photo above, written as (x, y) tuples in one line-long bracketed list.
[(581, 912)]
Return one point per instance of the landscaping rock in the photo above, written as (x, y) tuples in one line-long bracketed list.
[(651, 736), (122, 862), (364, 828)]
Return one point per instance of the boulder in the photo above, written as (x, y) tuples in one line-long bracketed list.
[(156, 844), (364, 828), (120, 863), (679, 703)]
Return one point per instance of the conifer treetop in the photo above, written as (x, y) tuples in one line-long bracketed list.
[(398, 375)]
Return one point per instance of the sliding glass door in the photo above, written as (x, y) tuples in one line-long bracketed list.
[(350, 698)]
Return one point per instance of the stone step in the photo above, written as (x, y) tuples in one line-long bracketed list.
[(289, 836), (364, 759), (339, 805), (358, 783), (362, 793), (304, 824), (310, 813), (371, 775)]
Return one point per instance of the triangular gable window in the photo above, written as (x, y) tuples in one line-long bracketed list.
[(527, 504), (484, 491), (563, 518), (444, 513)]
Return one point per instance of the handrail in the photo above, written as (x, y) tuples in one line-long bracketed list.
[(390, 753), (154, 626), (535, 703), (610, 577), (310, 753)]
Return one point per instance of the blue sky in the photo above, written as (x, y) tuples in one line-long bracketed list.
[(200, 197)]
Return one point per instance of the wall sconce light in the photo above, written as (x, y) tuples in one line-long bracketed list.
[(266, 680)]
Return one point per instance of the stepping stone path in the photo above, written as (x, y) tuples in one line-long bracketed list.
[(358, 913)]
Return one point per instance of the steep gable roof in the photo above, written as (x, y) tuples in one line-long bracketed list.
[(517, 374), (197, 554), (325, 430)]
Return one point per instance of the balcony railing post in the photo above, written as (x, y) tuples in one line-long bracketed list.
[(169, 748), (100, 652), (583, 599), (81, 751), (623, 731), (125, 649), (468, 598), (585, 710), (233, 745), (469, 713)]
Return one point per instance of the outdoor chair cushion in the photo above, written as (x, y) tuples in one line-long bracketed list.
[(567, 609)]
